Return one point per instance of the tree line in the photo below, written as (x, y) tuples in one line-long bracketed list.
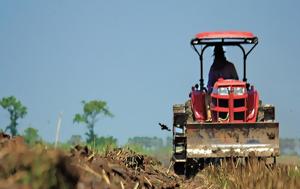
[(290, 146), (91, 112)]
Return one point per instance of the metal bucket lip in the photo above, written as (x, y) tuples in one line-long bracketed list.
[(239, 150), (232, 139)]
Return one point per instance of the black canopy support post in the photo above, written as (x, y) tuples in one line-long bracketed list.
[(244, 62), (245, 67), (201, 62), (201, 73), (201, 67), (245, 59), (252, 48)]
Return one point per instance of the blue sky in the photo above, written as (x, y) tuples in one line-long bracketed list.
[(136, 56)]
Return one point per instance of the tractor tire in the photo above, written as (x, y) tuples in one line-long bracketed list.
[(179, 168)]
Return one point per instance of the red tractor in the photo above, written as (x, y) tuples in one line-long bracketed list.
[(229, 121)]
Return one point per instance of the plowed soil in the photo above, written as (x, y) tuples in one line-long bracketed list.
[(39, 167), (81, 168)]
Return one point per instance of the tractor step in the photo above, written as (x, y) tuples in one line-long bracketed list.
[(179, 158)]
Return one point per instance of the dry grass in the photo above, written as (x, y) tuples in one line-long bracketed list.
[(252, 175), (289, 160)]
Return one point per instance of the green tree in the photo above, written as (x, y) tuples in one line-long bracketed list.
[(31, 136), (91, 112), (16, 110)]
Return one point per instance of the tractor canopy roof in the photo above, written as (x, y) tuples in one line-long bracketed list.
[(224, 37)]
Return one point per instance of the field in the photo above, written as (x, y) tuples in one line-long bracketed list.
[(289, 160), (41, 166)]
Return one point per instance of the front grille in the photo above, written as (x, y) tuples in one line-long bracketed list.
[(223, 103), (239, 115), (239, 103)]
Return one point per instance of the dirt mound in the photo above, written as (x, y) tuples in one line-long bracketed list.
[(39, 167), (122, 168), (131, 159)]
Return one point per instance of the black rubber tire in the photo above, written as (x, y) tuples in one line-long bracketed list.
[(179, 168)]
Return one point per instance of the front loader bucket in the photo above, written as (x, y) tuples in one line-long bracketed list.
[(209, 140)]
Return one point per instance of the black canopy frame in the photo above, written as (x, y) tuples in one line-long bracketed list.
[(239, 42)]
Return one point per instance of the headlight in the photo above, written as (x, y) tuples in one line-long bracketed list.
[(226, 90), (223, 91), (238, 90)]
